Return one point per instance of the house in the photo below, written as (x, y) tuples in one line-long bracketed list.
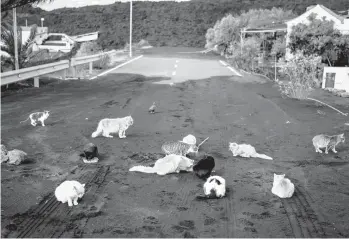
[(341, 22), (41, 33), (55, 42)]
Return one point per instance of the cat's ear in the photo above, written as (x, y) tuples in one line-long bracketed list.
[(83, 185), (283, 175), (342, 135)]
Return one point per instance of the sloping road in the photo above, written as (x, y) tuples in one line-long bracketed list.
[(176, 69)]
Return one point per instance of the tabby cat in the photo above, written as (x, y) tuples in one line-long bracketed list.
[(327, 142), (36, 117), (178, 148)]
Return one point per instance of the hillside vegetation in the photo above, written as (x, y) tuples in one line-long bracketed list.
[(160, 23)]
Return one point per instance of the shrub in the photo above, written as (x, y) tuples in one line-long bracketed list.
[(89, 48), (302, 72), (103, 63)]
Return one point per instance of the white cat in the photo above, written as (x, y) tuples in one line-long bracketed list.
[(169, 164), (37, 116), (246, 150), (282, 187), (70, 191), (117, 125), (215, 187)]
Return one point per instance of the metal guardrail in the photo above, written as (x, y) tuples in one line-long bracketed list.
[(88, 59), (37, 71), (33, 72)]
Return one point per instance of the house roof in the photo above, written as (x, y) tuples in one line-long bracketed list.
[(279, 27), (339, 17)]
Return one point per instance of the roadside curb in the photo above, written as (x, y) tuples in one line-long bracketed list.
[(230, 68), (118, 66)]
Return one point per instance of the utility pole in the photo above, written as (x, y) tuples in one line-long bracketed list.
[(130, 28), (15, 38)]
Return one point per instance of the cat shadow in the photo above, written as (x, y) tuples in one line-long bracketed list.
[(53, 123), (29, 161), (202, 197)]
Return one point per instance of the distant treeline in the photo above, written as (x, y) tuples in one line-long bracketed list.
[(160, 23)]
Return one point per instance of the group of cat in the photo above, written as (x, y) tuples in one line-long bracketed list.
[(176, 160)]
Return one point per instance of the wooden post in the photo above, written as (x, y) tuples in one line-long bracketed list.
[(36, 81), (90, 67), (275, 68), (74, 71)]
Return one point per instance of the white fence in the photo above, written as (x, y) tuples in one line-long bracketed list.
[(336, 77), (60, 66)]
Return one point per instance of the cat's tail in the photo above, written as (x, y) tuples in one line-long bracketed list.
[(262, 156), (24, 120), (143, 169), (98, 131)]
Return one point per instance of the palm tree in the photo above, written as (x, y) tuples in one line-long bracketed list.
[(25, 51)]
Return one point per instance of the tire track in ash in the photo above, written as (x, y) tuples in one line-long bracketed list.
[(230, 213), (44, 222), (97, 188), (182, 205), (49, 215), (303, 219)]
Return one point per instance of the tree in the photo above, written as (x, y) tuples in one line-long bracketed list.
[(302, 72), (7, 5), (227, 30), (25, 51), (318, 37)]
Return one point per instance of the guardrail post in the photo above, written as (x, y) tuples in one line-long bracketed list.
[(36, 81), (72, 67), (90, 67), (64, 74)]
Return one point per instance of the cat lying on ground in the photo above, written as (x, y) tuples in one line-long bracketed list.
[(214, 187), (117, 125), (327, 142), (282, 187), (169, 164), (70, 191), (204, 167), (246, 151), (36, 117)]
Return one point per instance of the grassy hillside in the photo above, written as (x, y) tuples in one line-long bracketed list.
[(161, 23)]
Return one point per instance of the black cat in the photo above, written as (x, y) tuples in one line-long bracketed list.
[(204, 167)]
